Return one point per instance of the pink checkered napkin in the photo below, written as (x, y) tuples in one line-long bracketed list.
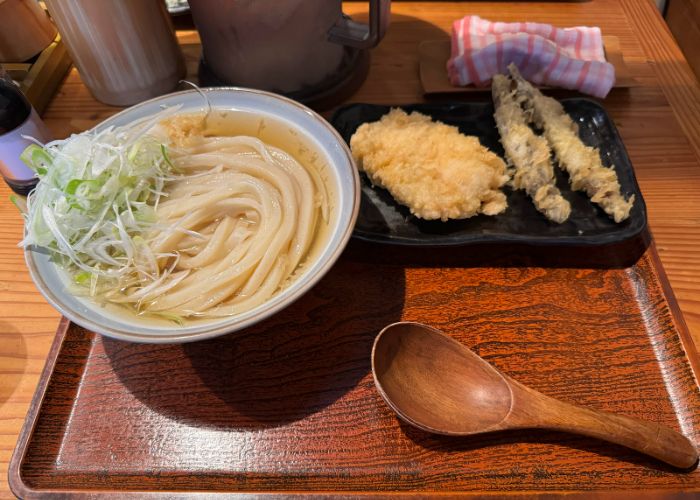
[(572, 58)]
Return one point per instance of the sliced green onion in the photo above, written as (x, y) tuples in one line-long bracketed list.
[(82, 209), (36, 158), (20, 203)]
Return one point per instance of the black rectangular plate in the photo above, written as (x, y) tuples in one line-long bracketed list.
[(381, 219)]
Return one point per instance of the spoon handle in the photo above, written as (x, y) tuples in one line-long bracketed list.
[(645, 437)]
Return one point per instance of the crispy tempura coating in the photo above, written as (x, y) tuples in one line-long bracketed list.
[(527, 153), (581, 162), (430, 167)]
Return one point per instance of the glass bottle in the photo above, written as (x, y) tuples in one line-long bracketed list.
[(18, 123)]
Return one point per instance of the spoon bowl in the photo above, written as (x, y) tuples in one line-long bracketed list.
[(437, 384), (409, 362)]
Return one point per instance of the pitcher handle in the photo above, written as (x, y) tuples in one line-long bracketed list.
[(360, 35)]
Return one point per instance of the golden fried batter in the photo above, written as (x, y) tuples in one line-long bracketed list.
[(581, 162), (430, 167), (527, 152)]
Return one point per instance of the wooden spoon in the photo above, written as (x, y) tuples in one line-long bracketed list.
[(436, 384)]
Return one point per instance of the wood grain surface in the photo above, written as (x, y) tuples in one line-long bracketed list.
[(441, 386), (659, 122), (683, 19), (289, 405)]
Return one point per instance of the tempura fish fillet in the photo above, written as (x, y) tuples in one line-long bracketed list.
[(586, 172), (430, 167), (528, 153)]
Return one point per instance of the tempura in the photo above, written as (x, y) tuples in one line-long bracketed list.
[(581, 162), (527, 153), (430, 167)]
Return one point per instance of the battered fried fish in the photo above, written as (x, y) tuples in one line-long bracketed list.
[(527, 153), (430, 167), (581, 162)]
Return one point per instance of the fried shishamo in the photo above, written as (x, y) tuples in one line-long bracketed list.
[(582, 163), (527, 152), (430, 167)]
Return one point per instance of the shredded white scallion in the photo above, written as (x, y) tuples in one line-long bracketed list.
[(95, 201)]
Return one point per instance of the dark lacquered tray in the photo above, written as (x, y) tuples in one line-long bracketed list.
[(289, 406), (383, 220)]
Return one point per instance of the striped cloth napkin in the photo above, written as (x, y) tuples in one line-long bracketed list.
[(572, 58)]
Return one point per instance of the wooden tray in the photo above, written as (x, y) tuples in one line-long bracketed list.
[(289, 405), (433, 56)]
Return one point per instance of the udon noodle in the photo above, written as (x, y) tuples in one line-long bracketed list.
[(234, 225), (175, 218), (239, 223)]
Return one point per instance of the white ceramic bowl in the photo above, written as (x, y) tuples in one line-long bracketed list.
[(342, 178)]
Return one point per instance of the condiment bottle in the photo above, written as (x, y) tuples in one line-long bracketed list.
[(125, 50), (18, 122)]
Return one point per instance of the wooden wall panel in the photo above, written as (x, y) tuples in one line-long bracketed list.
[(683, 18)]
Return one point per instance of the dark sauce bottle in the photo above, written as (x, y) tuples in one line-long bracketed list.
[(17, 119), (14, 107)]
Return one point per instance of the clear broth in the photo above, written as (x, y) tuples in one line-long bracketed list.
[(275, 133), (281, 135)]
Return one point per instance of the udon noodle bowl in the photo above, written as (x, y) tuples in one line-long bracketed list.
[(237, 223), (183, 216)]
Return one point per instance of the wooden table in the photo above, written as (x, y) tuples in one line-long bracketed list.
[(659, 121)]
